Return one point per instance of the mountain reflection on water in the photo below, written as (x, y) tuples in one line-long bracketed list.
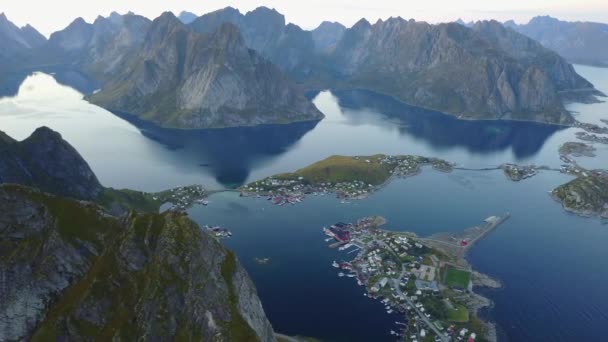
[(441, 131), (229, 154), (356, 123)]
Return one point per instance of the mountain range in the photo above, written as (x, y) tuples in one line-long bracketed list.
[(227, 69), (578, 42), (180, 78), (72, 270)]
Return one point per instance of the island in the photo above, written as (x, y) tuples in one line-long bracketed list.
[(518, 173), (348, 177), (592, 137), (587, 195), (577, 149), (427, 280), (591, 128)]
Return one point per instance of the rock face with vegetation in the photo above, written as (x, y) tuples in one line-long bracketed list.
[(180, 78), (586, 195), (68, 271), (579, 42), (46, 161)]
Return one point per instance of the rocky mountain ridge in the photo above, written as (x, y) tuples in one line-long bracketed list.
[(69, 271), (578, 42), (478, 71)]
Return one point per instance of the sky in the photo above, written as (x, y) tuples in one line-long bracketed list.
[(50, 16)]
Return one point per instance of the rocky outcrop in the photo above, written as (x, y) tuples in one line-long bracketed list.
[(46, 161), (578, 42), (184, 79), (70, 272)]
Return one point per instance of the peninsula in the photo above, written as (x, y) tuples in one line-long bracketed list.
[(427, 280)]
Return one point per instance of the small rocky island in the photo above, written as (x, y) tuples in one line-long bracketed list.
[(426, 280), (347, 177)]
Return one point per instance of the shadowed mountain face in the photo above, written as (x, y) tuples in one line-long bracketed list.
[(240, 150), (183, 79), (327, 35), (187, 17), (443, 131), (47, 162), (578, 42), (16, 42)]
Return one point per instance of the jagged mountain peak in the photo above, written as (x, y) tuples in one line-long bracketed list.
[(543, 19), (45, 133), (46, 161), (187, 17), (330, 24), (362, 23)]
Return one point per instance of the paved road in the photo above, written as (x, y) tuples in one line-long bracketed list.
[(420, 314)]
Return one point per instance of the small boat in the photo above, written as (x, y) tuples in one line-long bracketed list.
[(340, 274), (351, 275), (335, 264), (389, 311)]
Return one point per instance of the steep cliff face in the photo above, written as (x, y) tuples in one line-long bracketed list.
[(70, 272), (487, 72), (183, 79), (46, 161)]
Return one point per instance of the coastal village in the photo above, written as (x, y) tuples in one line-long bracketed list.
[(182, 197), (427, 281), (349, 178)]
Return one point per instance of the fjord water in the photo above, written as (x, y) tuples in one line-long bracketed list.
[(551, 263)]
